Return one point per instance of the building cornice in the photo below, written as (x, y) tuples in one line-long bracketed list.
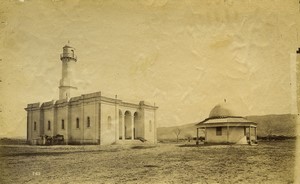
[(87, 98)]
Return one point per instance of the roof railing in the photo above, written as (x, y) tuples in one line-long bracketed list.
[(68, 55)]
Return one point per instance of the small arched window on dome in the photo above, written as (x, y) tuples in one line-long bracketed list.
[(72, 53)]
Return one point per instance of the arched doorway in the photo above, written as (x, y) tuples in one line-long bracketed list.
[(138, 127), (120, 125), (128, 125)]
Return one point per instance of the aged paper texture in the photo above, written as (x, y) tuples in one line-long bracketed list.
[(151, 91)]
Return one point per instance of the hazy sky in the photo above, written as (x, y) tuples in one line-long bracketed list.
[(186, 56)]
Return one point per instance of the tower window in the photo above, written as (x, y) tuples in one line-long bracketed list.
[(88, 122), (34, 126), (77, 122), (49, 125), (219, 131), (62, 124)]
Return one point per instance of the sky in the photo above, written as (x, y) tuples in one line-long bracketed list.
[(186, 56)]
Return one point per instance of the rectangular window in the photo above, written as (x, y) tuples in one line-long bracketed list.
[(88, 122), (218, 130), (34, 126), (63, 124), (77, 122), (49, 125)]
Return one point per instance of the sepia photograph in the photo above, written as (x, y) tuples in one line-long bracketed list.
[(150, 91)]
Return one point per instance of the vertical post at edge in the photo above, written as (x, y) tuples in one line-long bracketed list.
[(227, 133), (197, 141)]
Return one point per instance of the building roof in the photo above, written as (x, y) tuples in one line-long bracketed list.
[(220, 111), (90, 97), (67, 46), (226, 121), (222, 115)]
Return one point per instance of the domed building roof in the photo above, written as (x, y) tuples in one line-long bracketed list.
[(223, 114), (221, 111)]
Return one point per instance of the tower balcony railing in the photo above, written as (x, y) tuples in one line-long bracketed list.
[(68, 55)]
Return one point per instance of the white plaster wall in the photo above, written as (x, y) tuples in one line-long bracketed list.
[(49, 116), (90, 133), (211, 136), (236, 134), (62, 114), (108, 131), (149, 131), (76, 133), (34, 116)]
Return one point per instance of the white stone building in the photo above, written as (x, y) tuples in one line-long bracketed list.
[(89, 118)]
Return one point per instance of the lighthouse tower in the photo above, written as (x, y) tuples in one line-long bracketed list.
[(66, 83)]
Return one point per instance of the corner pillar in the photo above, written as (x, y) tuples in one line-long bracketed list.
[(249, 134), (197, 142), (132, 127), (123, 127)]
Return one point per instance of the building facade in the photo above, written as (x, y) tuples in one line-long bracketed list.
[(89, 118)]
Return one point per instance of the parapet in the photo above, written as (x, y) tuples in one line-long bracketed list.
[(48, 104), (33, 106), (147, 105), (61, 101), (91, 95)]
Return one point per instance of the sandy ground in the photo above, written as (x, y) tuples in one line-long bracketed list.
[(268, 162)]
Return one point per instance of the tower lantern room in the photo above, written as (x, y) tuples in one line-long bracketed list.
[(68, 53), (66, 84)]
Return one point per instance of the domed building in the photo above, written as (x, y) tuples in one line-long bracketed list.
[(223, 126)]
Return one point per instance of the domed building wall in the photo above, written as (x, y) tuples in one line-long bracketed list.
[(235, 135)]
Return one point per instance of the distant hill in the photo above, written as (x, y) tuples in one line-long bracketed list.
[(164, 133), (282, 124)]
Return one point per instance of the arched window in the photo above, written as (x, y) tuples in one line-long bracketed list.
[(34, 126), (49, 125), (62, 124), (88, 122), (150, 126), (77, 122), (109, 122)]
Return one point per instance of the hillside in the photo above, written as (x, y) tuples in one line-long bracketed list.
[(283, 124), (169, 132)]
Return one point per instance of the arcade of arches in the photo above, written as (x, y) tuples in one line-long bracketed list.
[(130, 126)]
